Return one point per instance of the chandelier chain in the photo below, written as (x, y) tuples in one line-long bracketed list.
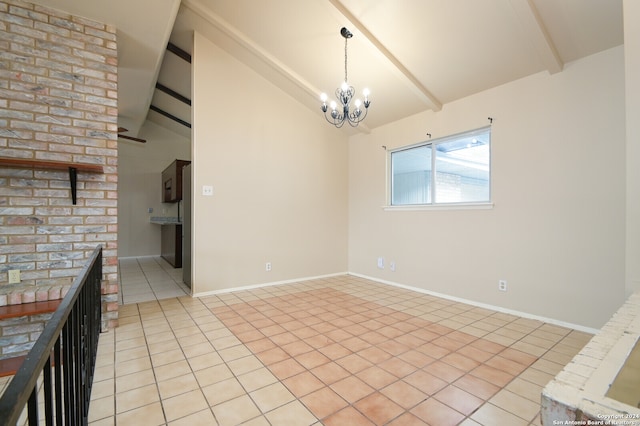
[(345, 59)]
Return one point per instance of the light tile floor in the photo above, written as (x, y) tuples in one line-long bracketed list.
[(337, 351), (145, 279)]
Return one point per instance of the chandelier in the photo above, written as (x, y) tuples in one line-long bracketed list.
[(345, 94)]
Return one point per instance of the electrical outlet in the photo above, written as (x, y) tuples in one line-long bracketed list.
[(14, 276), (502, 285), (381, 262), (267, 266)]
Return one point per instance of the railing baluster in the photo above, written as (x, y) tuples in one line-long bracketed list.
[(77, 359), (73, 366), (48, 396), (57, 370), (68, 372), (33, 407)]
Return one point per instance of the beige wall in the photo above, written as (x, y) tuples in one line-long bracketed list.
[(557, 230), (632, 82), (279, 177), (141, 166)]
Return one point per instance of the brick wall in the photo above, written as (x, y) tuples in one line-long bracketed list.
[(17, 335), (58, 102), (580, 393)]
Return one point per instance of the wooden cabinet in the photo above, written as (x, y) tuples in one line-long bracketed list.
[(171, 233), (171, 244), (172, 181)]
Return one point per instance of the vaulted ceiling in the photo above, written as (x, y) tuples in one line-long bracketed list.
[(414, 55)]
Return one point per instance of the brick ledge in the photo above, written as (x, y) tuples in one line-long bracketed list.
[(20, 295)]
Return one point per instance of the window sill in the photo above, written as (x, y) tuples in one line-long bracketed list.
[(452, 206)]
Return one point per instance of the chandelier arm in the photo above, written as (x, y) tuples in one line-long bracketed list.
[(338, 121), (356, 117)]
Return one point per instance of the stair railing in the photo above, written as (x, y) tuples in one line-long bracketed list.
[(60, 365)]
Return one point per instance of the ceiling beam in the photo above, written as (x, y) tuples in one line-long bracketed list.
[(161, 87), (169, 115), (536, 32), (179, 52), (398, 67)]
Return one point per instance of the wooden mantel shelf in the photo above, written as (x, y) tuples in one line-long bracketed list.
[(54, 165), (48, 164)]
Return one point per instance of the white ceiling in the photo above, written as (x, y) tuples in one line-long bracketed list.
[(413, 55)]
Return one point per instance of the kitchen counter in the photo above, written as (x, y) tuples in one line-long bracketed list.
[(161, 220)]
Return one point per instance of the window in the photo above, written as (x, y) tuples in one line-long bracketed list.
[(453, 169)]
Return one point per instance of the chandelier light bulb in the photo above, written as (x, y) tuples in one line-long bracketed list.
[(323, 97), (334, 105), (358, 103), (366, 92), (344, 86)]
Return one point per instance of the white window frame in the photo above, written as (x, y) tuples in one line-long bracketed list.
[(433, 205)]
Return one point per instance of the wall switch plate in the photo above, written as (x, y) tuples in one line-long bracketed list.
[(381, 262), (14, 276), (207, 190), (392, 266)]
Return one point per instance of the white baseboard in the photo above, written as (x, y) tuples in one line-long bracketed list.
[(269, 284), (149, 256), (483, 305)]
